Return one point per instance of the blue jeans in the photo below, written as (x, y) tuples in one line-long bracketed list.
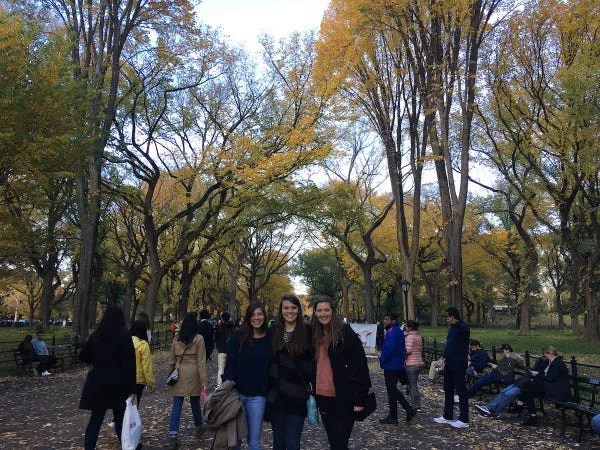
[(287, 431), (255, 409), (176, 413), (484, 380), (504, 398), (596, 424)]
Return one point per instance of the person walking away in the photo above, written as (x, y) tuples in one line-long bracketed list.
[(342, 379), (414, 361), (207, 331), (554, 385), (248, 366), (455, 365), (223, 334), (391, 360), (188, 354), (144, 375), (146, 319), (109, 350), (291, 368)]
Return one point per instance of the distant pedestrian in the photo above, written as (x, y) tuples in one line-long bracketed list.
[(392, 361), (223, 334), (188, 354), (456, 354), (290, 371), (248, 366), (111, 380), (342, 379), (207, 331), (42, 354), (414, 361)]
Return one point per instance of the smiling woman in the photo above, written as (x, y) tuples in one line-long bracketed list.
[(341, 368), (290, 371)]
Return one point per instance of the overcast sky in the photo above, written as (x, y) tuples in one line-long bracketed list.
[(244, 20)]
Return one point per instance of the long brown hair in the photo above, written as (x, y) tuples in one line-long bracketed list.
[(334, 329), (297, 344), (246, 332)]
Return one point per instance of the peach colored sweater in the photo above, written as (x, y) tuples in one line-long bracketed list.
[(414, 346)]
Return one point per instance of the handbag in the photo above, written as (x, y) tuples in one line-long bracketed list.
[(131, 434), (174, 375), (311, 406), (369, 406)]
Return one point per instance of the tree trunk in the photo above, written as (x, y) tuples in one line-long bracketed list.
[(524, 316), (130, 304), (47, 299), (368, 289), (592, 333), (344, 288), (559, 308), (574, 302), (185, 286), (234, 273)]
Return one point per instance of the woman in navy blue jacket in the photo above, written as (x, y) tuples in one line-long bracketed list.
[(392, 362), (248, 365)]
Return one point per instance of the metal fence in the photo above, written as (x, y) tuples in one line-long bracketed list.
[(67, 347)]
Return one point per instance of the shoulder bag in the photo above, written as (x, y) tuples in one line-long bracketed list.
[(174, 375)]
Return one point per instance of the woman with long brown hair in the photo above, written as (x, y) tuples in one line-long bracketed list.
[(247, 365), (290, 373), (342, 379)]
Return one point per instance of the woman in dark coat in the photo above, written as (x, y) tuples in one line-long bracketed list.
[(291, 369), (342, 379), (112, 378)]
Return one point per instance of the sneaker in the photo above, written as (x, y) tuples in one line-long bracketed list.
[(483, 410), (441, 419), (459, 424), (412, 412), (389, 421), (456, 399), (45, 373)]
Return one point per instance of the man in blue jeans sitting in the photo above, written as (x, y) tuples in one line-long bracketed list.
[(504, 371), (511, 393)]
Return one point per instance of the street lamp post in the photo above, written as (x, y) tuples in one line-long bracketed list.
[(405, 287)]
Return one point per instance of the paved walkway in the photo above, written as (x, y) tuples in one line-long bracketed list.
[(41, 413)]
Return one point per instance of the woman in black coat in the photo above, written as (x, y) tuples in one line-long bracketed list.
[(112, 378), (342, 379), (553, 384), (290, 372)]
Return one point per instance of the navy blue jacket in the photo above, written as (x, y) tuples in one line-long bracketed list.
[(457, 346), (249, 366), (479, 360), (393, 349)]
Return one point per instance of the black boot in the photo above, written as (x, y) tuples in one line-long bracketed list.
[(412, 412), (389, 420)]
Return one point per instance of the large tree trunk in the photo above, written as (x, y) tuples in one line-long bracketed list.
[(368, 289), (559, 308), (47, 299), (83, 290), (574, 289)]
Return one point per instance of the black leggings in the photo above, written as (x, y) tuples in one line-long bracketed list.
[(338, 420), (394, 395), (93, 429)]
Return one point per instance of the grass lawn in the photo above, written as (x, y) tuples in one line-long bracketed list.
[(566, 342)]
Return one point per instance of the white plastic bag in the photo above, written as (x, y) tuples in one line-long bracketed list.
[(131, 435)]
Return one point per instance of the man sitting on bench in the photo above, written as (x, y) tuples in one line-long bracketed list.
[(504, 371), (42, 355)]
